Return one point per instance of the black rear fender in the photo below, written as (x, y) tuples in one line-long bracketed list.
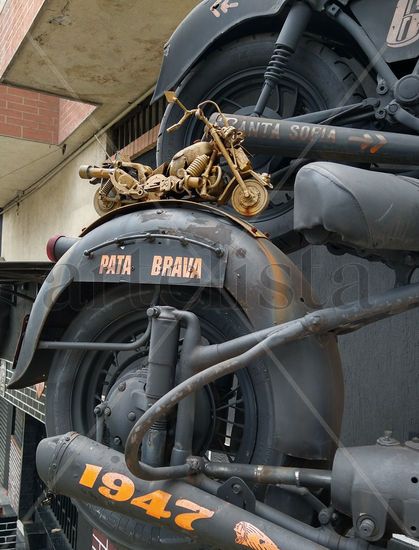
[(212, 24), (202, 29), (136, 247)]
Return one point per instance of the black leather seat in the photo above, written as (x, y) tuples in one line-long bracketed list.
[(369, 210)]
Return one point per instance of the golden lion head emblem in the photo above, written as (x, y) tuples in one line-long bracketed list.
[(248, 535)]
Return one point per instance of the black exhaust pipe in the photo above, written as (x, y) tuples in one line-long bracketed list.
[(83, 469)]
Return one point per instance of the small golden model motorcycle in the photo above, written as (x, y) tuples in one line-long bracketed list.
[(216, 169)]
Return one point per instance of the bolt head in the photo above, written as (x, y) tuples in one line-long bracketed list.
[(236, 489), (132, 416), (367, 527), (122, 386), (153, 312), (325, 516), (117, 440), (108, 411)]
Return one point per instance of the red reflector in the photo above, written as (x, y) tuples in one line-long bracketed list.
[(51, 247)]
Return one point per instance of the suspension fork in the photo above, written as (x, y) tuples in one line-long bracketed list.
[(166, 369), (163, 356), (286, 44), (185, 421)]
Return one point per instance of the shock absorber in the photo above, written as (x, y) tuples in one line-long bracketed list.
[(292, 30), (197, 167), (162, 359), (107, 188)]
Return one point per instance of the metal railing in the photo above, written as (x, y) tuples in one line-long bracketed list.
[(139, 121)]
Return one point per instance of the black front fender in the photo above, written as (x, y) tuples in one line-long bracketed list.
[(201, 29)]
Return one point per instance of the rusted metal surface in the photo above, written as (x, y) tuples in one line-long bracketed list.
[(176, 203)]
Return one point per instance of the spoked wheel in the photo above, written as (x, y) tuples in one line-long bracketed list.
[(234, 417), (316, 79)]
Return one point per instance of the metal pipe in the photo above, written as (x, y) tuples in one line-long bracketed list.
[(326, 537), (98, 346), (320, 117), (161, 367), (339, 320), (83, 469), (88, 172), (185, 419), (106, 346), (370, 50), (322, 142), (270, 475), (198, 381)]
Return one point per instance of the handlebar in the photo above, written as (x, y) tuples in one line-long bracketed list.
[(185, 117), (87, 172)]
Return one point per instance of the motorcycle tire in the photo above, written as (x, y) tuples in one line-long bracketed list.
[(316, 78), (77, 378)]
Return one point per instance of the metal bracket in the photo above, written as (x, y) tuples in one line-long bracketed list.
[(125, 240), (235, 491)]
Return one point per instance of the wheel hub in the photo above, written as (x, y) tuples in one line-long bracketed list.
[(126, 403)]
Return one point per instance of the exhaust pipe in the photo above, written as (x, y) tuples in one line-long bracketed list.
[(58, 245), (83, 469)]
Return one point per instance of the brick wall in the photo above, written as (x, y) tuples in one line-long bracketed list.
[(29, 115), (15, 21), (72, 114), (39, 117)]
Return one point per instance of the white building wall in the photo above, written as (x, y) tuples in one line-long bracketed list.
[(64, 205)]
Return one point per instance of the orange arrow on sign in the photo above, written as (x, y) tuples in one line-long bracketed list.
[(382, 141), (367, 141)]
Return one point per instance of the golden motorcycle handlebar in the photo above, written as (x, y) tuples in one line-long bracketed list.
[(88, 172)]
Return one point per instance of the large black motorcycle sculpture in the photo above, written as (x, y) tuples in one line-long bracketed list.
[(194, 393)]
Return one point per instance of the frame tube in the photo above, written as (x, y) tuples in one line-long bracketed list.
[(339, 320), (321, 142)]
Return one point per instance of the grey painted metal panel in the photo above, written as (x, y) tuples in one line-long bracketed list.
[(381, 361)]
